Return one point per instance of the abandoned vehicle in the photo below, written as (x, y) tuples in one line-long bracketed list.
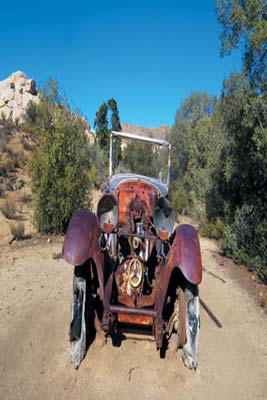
[(132, 270)]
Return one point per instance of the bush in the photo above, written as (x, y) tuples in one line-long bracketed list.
[(17, 230), (9, 209), (59, 166), (25, 197), (213, 230), (19, 184), (245, 240), (7, 166), (2, 189)]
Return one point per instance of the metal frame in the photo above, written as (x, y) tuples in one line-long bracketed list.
[(125, 135)]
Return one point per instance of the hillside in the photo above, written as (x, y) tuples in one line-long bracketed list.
[(159, 132)]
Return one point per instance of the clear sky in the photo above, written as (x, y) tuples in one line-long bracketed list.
[(149, 55)]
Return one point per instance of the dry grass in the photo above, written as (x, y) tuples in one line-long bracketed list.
[(17, 230), (9, 208)]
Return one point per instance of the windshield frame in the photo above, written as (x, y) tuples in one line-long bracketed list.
[(131, 136)]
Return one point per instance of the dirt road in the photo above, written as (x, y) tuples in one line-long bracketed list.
[(34, 351)]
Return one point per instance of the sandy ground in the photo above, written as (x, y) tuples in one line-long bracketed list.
[(34, 349)]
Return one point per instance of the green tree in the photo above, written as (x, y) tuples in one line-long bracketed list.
[(140, 158), (239, 183), (59, 166), (101, 126), (194, 138), (244, 25), (238, 192), (107, 119)]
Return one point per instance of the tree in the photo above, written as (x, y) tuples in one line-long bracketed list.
[(194, 139), (140, 158), (107, 120), (238, 193), (244, 25), (59, 166), (239, 184), (101, 126)]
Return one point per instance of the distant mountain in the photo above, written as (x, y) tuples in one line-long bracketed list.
[(160, 132)]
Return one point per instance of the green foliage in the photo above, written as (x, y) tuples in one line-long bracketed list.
[(60, 164), (238, 191), (107, 120), (8, 208), (195, 138), (101, 126), (140, 158), (17, 230), (214, 230), (245, 240), (244, 25)]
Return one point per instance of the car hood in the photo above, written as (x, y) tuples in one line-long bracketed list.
[(117, 179)]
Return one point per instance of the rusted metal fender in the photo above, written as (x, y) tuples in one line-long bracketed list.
[(81, 242), (185, 255)]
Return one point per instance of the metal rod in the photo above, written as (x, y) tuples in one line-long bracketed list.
[(214, 275), (142, 138), (169, 165), (131, 310), (111, 155), (138, 235), (210, 313)]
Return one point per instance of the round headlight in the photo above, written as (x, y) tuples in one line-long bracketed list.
[(107, 213), (163, 218)]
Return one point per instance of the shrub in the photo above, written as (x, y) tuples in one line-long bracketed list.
[(213, 230), (7, 166), (25, 143), (3, 145), (9, 209), (25, 197), (19, 184), (178, 201), (3, 116), (2, 189), (17, 230), (245, 240), (59, 166)]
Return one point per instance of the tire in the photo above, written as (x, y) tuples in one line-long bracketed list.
[(190, 348), (81, 302), (181, 331)]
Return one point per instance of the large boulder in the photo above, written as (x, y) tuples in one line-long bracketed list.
[(15, 94)]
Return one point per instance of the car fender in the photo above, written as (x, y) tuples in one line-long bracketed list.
[(81, 242), (185, 255)]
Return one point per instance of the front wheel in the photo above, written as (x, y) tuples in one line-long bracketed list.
[(190, 348), (80, 314)]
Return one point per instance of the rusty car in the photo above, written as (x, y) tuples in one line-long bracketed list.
[(133, 269)]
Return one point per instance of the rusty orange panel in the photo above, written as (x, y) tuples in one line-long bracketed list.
[(128, 191), (135, 319)]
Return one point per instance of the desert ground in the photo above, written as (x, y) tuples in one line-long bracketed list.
[(35, 362)]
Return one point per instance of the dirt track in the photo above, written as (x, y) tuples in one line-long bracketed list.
[(34, 350)]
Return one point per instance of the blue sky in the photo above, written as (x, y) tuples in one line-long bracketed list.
[(148, 55)]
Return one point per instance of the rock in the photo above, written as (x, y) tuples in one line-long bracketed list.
[(7, 95), (15, 94), (30, 87)]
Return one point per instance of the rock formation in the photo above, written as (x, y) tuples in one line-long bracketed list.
[(15, 94), (160, 132)]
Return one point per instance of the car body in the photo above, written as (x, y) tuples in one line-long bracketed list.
[(133, 271)]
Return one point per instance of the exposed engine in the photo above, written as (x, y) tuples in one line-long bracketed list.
[(131, 235)]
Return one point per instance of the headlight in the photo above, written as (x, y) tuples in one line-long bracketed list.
[(163, 218), (107, 213)]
